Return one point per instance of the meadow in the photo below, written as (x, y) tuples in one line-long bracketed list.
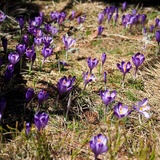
[(80, 81)]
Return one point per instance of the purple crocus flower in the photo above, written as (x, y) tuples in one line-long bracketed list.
[(42, 96), (81, 19), (46, 52), (29, 94), (65, 84), (116, 17), (48, 27), (121, 111), (41, 120), (54, 15), (61, 17), (31, 30), (124, 67), (109, 17), (105, 77), (47, 41), (138, 59), (21, 22), (21, 48), (107, 96), (4, 44), (100, 18), (30, 52), (151, 28), (0, 61), (8, 74), (142, 107), (26, 39), (54, 31), (2, 106), (100, 30), (28, 128), (87, 77), (157, 22), (104, 56), (37, 32), (134, 11), (36, 22), (38, 40), (92, 63), (157, 35), (124, 6), (68, 42), (13, 57), (143, 18), (2, 16), (98, 144)]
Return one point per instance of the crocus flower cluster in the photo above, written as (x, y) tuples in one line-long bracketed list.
[(141, 107), (59, 17), (133, 19), (42, 95), (98, 144)]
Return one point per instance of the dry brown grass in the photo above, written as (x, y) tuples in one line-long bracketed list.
[(65, 140)]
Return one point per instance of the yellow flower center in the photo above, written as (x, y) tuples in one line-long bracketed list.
[(98, 140)]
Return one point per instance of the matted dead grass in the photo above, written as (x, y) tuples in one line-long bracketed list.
[(67, 140)]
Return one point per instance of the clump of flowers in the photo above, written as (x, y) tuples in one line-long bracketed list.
[(137, 59), (98, 144)]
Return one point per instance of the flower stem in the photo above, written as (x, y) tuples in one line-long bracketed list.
[(30, 67), (66, 56), (68, 105)]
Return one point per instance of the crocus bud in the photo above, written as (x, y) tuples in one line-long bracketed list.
[(157, 35), (124, 6), (42, 96), (29, 94)]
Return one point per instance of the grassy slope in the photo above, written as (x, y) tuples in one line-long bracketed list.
[(127, 139)]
